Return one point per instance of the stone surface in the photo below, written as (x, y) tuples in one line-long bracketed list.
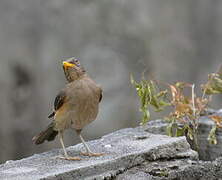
[(209, 151), (124, 150), (177, 169), (206, 151)]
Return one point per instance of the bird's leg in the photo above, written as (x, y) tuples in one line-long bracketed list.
[(88, 151), (66, 157)]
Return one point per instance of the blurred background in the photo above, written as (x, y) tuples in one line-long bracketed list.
[(172, 40)]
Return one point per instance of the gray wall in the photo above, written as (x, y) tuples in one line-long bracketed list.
[(171, 40)]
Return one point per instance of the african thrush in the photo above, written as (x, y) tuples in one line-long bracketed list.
[(75, 106)]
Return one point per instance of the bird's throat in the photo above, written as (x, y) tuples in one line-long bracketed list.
[(73, 76)]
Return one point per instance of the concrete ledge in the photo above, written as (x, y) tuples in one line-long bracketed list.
[(206, 151), (124, 149), (175, 169)]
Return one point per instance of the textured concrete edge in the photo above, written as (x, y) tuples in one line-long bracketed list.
[(181, 169), (119, 165), (207, 151), (139, 151)]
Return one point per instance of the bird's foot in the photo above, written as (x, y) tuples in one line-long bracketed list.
[(91, 154), (70, 158)]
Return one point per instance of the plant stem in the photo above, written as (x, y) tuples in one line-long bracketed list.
[(193, 100)]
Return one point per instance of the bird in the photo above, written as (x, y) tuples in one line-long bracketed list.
[(75, 106)]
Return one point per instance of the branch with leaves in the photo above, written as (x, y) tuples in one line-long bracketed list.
[(186, 109)]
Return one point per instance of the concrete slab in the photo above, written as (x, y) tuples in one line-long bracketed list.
[(123, 149)]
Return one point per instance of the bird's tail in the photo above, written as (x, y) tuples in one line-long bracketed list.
[(49, 134)]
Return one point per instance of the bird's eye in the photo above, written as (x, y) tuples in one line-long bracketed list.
[(77, 62)]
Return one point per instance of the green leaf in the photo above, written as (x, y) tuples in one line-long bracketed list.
[(180, 131), (169, 130), (172, 128), (144, 92), (146, 117), (212, 135), (149, 96), (214, 84)]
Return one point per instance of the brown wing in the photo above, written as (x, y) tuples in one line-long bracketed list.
[(59, 101)]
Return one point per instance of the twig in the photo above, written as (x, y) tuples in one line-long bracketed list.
[(193, 100), (204, 92)]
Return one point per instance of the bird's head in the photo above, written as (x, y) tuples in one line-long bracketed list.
[(72, 69)]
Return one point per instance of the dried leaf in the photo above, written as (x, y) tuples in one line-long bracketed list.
[(174, 92), (182, 85), (182, 108), (217, 120), (201, 104)]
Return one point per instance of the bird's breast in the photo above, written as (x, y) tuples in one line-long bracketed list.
[(84, 112), (82, 105)]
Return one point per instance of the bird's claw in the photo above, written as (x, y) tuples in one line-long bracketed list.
[(91, 154), (70, 158)]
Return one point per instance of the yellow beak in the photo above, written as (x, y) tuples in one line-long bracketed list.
[(67, 64)]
